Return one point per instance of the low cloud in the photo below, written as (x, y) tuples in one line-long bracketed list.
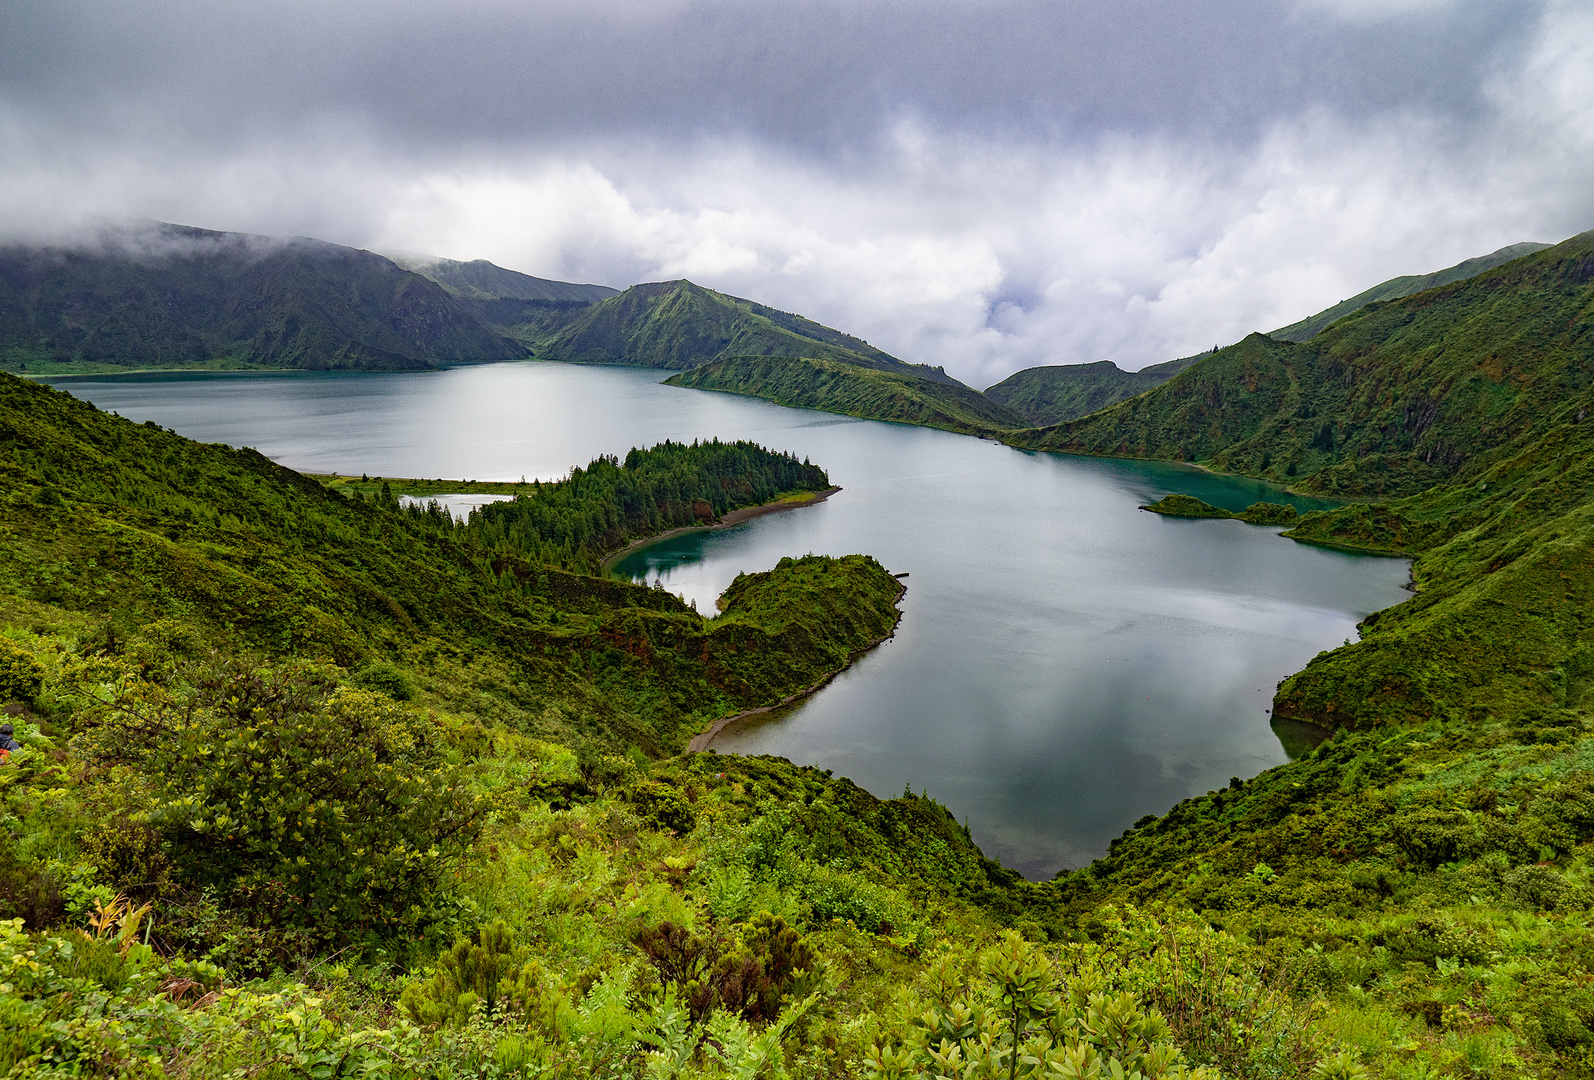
[(934, 185)]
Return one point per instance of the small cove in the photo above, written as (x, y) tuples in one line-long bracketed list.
[(1065, 664)]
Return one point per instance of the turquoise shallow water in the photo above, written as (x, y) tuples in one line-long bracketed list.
[(1066, 663)]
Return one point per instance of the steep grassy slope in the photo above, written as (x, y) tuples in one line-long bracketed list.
[(1396, 398), (847, 388), (1426, 887), (167, 296), (676, 324), (1401, 287), (1054, 393), (1473, 397), (1499, 628), (129, 522)]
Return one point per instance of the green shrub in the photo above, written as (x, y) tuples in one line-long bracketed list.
[(840, 894), (1022, 1015), (21, 676), (1431, 938), (386, 678), (1538, 887), (491, 972), (750, 977), (333, 808), (1562, 1028), (728, 893), (663, 806), (126, 854), (1429, 837), (784, 958)]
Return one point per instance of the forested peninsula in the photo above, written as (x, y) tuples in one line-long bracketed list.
[(310, 784)]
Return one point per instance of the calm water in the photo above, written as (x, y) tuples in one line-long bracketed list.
[(1066, 663)]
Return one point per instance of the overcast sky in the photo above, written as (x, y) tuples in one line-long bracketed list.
[(985, 185)]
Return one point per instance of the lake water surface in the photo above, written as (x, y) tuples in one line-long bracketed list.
[(1066, 663)]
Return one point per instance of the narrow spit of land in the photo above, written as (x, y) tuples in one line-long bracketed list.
[(419, 487), (702, 740)]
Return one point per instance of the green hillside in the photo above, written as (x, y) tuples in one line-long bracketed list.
[(676, 324), (1054, 393), (1401, 287), (852, 390), (168, 296), (1398, 397), (120, 521), (1424, 872)]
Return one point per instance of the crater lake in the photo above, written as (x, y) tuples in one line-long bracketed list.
[(1066, 663)]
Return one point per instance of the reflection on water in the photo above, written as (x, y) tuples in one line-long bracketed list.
[(458, 505), (1066, 663), (1297, 736)]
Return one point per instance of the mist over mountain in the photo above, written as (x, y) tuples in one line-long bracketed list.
[(160, 296), (170, 296)]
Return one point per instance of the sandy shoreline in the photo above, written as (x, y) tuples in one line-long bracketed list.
[(702, 739), (735, 517)]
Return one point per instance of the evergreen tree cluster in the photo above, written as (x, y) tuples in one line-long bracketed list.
[(574, 522)]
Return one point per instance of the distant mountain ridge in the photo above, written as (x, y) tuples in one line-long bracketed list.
[(1054, 393), (479, 279), (171, 296), (677, 324), (528, 310), (157, 296)]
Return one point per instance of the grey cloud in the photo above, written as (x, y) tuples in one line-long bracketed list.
[(826, 76)]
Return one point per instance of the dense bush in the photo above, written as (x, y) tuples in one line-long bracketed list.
[(750, 976), (491, 973), (21, 676), (338, 803), (1023, 1020), (663, 806)]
